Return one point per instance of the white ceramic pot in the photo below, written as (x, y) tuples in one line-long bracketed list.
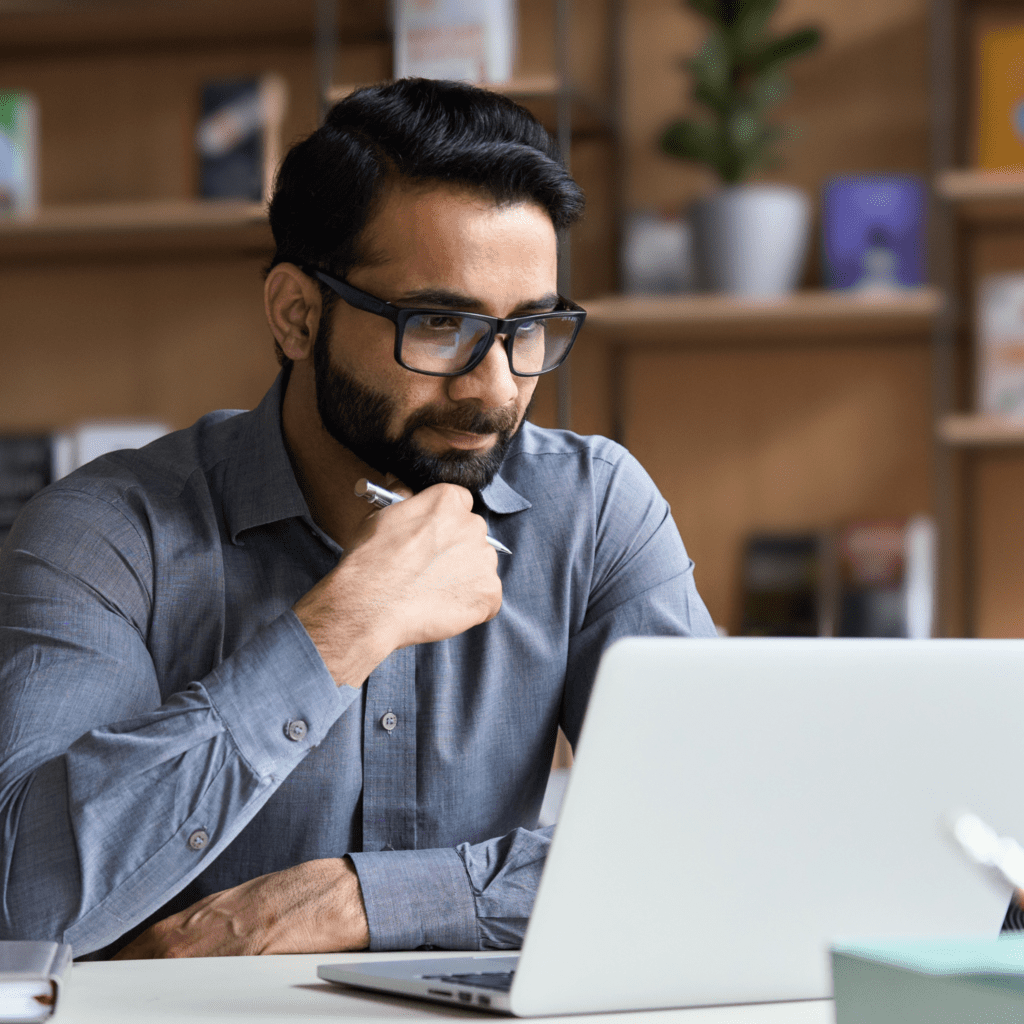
[(751, 240)]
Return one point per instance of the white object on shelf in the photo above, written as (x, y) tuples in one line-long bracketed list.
[(751, 240), (656, 253), (88, 441), (920, 553), (464, 40), (1001, 345)]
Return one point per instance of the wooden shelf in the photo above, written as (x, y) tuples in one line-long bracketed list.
[(158, 226), (539, 94), (978, 431), (42, 25), (818, 315), (983, 195)]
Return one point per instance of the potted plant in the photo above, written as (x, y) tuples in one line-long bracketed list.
[(749, 239)]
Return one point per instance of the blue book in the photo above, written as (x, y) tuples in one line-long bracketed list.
[(873, 232), (929, 981)]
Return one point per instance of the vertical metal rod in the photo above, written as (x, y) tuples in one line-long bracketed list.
[(325, 47), (563, 135), (953, 555)]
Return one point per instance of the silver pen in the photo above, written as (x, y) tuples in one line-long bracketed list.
[(381, 497)]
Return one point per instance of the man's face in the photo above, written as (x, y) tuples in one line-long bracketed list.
[(441, 249)]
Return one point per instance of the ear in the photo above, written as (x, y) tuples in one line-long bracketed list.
[(293, 306)]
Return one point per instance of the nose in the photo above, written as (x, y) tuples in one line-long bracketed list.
[(491, 383)]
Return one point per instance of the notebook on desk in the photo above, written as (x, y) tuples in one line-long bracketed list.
[(735, 805)]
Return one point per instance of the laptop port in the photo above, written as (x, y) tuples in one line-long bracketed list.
[(484, 1000), (439, 992), (466, 997)]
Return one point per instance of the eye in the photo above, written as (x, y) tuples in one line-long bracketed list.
[(440, 322)]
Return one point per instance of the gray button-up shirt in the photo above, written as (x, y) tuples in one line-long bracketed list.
[(168, 729)]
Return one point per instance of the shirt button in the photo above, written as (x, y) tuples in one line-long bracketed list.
[(198, 839), (389, 721), (295, 730)]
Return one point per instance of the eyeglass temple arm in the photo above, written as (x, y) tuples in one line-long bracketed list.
[(362, 300)]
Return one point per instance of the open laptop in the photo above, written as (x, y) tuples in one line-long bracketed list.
[(735, 805)]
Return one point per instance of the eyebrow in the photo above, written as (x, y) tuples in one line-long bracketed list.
[(442, 299)]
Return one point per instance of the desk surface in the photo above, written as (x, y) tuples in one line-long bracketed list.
[(239, 990)]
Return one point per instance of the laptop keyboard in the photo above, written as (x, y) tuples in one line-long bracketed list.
[(499, 981)]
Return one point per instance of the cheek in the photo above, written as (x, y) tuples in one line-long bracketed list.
[(526, 386)]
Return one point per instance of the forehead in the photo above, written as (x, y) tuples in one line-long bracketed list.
[(439, 234)]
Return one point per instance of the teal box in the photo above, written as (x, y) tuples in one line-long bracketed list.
[(929, 981)]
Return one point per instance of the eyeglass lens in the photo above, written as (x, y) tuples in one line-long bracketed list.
[(440, 343)]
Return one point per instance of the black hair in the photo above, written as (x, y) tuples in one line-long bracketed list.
[(420, 130)]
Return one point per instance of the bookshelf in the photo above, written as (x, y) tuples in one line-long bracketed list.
[(143, 227), (127, 298), (980, 230), (982, 196), (981, 432), (819, 315)]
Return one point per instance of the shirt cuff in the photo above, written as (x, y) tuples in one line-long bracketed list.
[(417, 898), (275, 696)]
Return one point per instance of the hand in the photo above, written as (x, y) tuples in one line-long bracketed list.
[(314, 907), (418, 571)]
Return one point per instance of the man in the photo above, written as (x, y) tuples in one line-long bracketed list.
[(240, 703)]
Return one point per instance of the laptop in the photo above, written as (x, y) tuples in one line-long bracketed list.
[(737, 805)]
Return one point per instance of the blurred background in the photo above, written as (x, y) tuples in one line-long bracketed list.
[(803, 259)]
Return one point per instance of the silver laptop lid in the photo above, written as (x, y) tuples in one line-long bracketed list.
[(735, 805)]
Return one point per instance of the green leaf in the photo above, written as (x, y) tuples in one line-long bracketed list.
[(751, 27), (710, 9), (693, 140), (711, 68), (780, 51), (767, 90)]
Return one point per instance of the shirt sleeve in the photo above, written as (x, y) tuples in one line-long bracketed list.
[(111, 798), (641, 585)]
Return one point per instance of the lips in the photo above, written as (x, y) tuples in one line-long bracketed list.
[(462, 439)]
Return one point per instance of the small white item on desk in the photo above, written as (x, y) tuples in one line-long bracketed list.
[(30, 974)]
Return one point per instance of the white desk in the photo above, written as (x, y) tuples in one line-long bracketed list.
[(239, 990)]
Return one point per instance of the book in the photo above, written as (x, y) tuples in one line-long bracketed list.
[(19, 186), (28, 462), (872, 578), (238, 137), (1000, 91), (787, 585), (886, 578), (1000, 345), (30, 979), (461, 40), (873, 231), (26, 466), (928, 981)]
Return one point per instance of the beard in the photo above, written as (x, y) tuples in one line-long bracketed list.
[(358, 418)]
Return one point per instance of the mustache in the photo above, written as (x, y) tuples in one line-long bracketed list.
[(468, 419)]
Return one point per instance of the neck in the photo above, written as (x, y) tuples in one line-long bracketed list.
[(326, 471)]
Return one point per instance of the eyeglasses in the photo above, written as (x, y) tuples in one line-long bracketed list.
[(447, 343)]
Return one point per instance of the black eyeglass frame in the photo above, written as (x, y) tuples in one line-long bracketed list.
[(399, 316)]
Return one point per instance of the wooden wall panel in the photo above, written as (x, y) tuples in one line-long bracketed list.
[(997, 537), (788, 439), (164, 339)]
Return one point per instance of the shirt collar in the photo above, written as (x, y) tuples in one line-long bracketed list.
[(498, 496), (261, 487)]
